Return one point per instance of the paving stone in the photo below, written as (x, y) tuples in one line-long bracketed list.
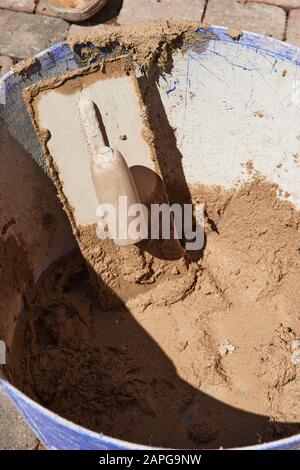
[(23, 35), (6, 63), (264, 19), (293, 28), (14, 432), (27, 6), (135, 10), (280, 3)]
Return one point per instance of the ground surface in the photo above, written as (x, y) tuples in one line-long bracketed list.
[(27, 26)]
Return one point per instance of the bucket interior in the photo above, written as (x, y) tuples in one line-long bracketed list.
[(232, 112)]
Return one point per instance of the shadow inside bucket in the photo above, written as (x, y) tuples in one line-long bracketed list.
[(101, 369), (168, 155)]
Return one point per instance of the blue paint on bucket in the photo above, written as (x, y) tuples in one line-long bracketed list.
[(56, 432)]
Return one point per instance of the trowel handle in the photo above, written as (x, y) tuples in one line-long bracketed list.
[(115, 186), (90, 126), (112, 179)]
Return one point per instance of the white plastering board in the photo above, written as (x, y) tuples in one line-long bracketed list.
[(121, 113)]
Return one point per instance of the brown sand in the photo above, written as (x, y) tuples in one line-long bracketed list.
[(202, 360)]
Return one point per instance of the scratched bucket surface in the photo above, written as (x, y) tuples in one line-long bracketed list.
[(214, 99)]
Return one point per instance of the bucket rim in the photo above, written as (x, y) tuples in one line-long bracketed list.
[(10, 390), (265, 44)]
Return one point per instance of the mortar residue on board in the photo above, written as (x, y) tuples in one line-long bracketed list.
[(151, 370), (147, 43)]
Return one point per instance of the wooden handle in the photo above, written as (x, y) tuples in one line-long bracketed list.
[(113, 182)]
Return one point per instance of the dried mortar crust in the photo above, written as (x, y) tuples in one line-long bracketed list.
[(152, 370)]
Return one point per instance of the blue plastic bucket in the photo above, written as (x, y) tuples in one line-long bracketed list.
[(26, 159)]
